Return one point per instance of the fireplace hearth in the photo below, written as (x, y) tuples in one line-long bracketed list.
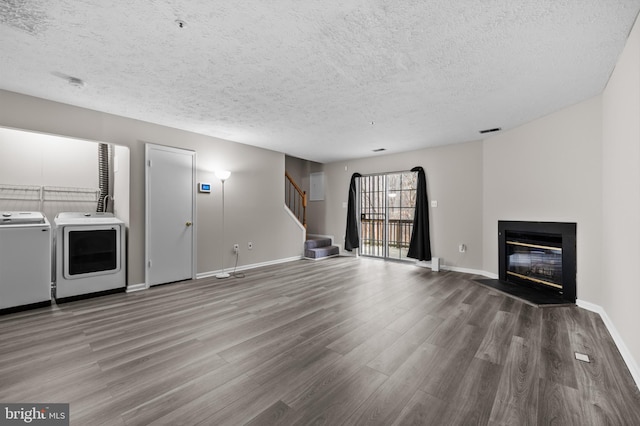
[(537, 261)]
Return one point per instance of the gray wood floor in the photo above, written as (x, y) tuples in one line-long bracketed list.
[(340, 341)]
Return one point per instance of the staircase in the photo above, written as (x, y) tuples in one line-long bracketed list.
[(296, 200), (320, 248)]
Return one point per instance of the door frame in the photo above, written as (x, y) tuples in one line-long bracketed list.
[(386, 213), (147, 150)]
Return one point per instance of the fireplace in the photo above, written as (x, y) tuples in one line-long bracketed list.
[(539, 259)]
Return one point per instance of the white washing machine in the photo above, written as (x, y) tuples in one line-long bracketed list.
[(25, 261), (90, 255)]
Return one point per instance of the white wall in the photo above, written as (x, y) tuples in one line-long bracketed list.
[(254, 206), (121, 180), (549, 170), (37, 159), (621, 196), (255, 191), (454, 179)]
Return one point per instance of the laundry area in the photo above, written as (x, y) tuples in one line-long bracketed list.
[(64, 212)]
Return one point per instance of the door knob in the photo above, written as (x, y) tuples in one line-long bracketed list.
[(188, 223)]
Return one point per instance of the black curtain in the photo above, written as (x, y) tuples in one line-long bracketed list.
[(420, 247), (351, 237)]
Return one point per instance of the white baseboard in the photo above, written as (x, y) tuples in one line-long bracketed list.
[(469, 271), (246, 267), (295, 219), (425, 264), (624, 351), (136, 287)]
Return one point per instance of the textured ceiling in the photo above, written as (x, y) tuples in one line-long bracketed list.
[(323, 80)]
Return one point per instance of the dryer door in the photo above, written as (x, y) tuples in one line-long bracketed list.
[(91, 250)]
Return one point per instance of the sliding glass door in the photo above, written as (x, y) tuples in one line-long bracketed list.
[(386, 207)]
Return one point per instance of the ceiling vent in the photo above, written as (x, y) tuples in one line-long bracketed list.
[(497, 129), (75, 82), (379, 149)]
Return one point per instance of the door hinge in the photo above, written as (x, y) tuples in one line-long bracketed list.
[(149, 264), (149, 163)]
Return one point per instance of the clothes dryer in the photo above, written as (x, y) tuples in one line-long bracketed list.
[(90, 255)]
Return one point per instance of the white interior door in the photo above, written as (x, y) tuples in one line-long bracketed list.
[(170, 207)]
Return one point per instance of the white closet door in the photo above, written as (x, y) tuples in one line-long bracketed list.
[(170, 207)]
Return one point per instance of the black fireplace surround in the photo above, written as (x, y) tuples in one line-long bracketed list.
[(538, 259)]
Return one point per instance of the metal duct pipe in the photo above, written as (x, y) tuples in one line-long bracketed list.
[(103, 176)]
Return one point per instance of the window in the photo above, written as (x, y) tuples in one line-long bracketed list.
[(387, 208)]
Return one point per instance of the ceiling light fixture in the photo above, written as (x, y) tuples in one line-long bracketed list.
[(497, 129)]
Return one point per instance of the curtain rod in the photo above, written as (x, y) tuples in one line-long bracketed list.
[(385, 173)]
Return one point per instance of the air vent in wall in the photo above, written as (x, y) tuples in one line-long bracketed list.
[(497, 129)]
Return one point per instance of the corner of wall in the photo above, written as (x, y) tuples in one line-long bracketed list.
[(634, 369)]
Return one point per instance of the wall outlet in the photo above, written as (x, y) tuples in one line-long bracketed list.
[(250, 245), (462, 248), (236, 248)]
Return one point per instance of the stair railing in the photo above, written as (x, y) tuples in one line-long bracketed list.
[(296, 199)]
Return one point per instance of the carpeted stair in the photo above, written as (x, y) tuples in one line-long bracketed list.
[(319, 248)]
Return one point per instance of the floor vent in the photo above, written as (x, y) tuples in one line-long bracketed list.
[(582, 357)]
